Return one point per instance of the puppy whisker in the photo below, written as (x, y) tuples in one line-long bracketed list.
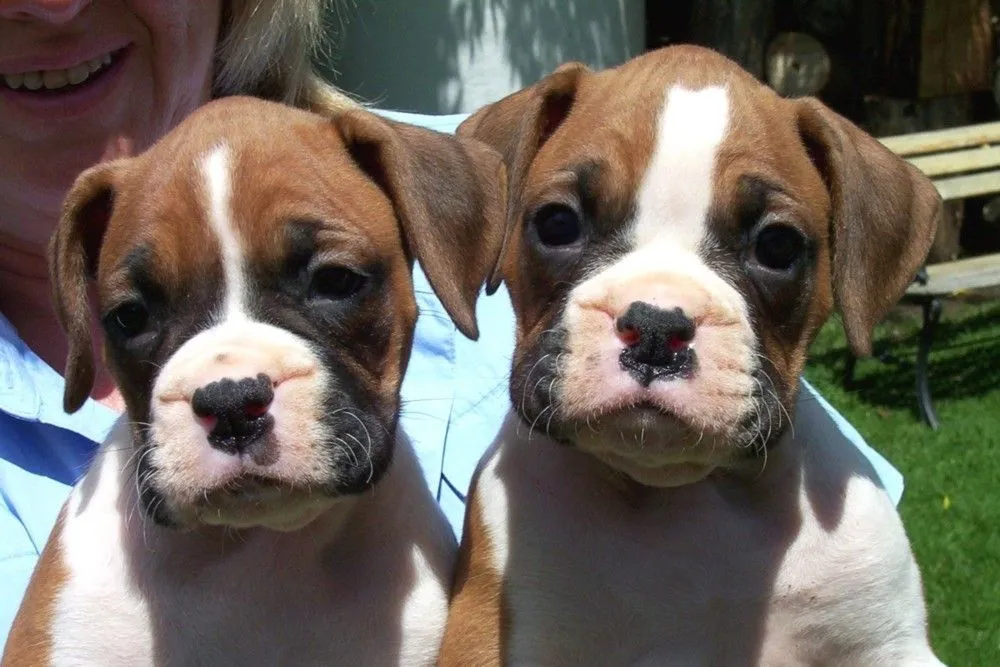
[(531, 428), (527, 379), (347, 449)]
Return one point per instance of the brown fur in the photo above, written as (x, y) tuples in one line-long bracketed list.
[(30, 638), (477, 608)]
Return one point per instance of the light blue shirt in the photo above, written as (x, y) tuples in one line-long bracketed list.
[(454, 399)]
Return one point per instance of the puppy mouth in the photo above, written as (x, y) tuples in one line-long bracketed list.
[(249, 487), (651, 445), (588, 396), (644, 414), (246, 492), (256, 501), (631, 421)]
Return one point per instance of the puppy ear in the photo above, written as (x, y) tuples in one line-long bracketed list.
[(884, 213), (449, 194), (73, 254), (517, 126)]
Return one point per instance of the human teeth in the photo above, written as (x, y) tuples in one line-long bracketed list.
[(78, 74), (33, 80), (57, 78)]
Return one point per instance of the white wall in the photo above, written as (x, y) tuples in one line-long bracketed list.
[(453, 56)]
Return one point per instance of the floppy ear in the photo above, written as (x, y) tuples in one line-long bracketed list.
[(73, 253), (517, 126), (884, 213), (449, 194)]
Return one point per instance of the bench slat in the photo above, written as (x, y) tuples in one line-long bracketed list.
[(943, 140), (959, 187), (955, 162), (963, 274)]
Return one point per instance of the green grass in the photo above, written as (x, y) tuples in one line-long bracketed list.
[(951, 505)]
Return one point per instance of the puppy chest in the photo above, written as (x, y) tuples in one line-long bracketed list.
[(611, 596), (704, 583)]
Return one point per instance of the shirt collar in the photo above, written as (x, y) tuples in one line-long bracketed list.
[(31, 390), (445, 123)]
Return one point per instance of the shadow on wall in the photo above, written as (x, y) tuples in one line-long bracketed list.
[(452, 56)]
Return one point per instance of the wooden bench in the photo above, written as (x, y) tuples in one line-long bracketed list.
[(962, 162)]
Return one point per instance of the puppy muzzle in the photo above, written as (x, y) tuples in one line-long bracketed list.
[(250, 426)]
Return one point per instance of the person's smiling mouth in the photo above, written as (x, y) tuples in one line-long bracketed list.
[(61, 81)]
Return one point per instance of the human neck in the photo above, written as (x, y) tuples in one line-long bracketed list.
[(26, 301)]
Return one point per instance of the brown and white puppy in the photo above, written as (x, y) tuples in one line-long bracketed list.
[(259, 505), (678, 234)]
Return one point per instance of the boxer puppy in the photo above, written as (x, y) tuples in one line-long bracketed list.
[(259, 505), (678, 234)]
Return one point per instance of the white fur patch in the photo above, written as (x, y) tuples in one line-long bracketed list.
[(217, 171), (666, 270), (370, 590), (676, 192), (98, 581), (491, 496), (426, 600), (811, 552), (235, 346)]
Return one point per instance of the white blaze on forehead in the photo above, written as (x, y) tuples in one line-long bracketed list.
[(676, 191), (216, 169)]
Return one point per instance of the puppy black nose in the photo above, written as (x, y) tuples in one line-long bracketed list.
[(657, 341), (236, 411)]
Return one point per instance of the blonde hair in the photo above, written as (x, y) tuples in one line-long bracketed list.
[(266, 49)]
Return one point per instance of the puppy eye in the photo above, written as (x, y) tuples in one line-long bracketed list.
[(557, 225), (778, 247), (336, 283), (129, 319)]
